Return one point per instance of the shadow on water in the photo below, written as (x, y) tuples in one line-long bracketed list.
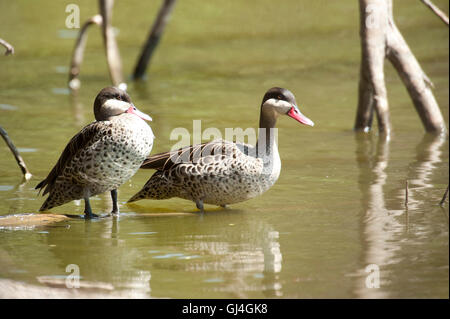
[(386, 226)]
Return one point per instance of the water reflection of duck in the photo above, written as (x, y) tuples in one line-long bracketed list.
[(222, 172), (103, 155)]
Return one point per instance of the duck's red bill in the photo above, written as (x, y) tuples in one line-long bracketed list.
[(298, 116), (135, 111)]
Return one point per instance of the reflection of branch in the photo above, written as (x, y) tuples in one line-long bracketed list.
[(428, 155), (77, 57), (153, 38), (77, 107), (377, 218), (16, 154), (9, 47), (436, 10), (382, 229)]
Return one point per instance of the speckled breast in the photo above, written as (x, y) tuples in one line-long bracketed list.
[(115, 156)]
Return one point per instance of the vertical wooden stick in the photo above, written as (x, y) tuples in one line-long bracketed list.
[(406, 193), (441, 203), (372, 88), (112, 50)]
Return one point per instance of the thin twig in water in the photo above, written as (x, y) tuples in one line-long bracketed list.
[(436, 10), (406, 193), (26, 173), (441, 203)]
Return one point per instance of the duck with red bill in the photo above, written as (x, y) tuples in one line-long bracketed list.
[(241, 172)]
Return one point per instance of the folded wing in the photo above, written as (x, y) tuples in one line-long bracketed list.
[(79, 141)]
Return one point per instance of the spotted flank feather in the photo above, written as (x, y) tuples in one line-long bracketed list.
[(218, 172)]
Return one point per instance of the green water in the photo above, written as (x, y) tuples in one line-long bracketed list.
[(337, 207)]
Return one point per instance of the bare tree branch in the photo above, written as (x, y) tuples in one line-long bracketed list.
[(436, 10), (372, 88), (112, 50), (381, 39), (9, 48), (26, 173), (153, 38), (415, 80), (78, 52)]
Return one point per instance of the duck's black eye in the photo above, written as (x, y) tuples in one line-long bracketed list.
[(280, 97)]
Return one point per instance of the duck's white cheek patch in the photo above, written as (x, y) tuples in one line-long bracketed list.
[(283, 104), (116, 104), (279, 105)]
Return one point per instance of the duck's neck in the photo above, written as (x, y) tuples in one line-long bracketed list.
[(266, 145)]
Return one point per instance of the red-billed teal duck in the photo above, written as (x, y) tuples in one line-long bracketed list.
[(222, 172), (103, 155)]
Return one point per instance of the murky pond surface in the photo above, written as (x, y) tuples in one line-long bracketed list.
[(337, 207)]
